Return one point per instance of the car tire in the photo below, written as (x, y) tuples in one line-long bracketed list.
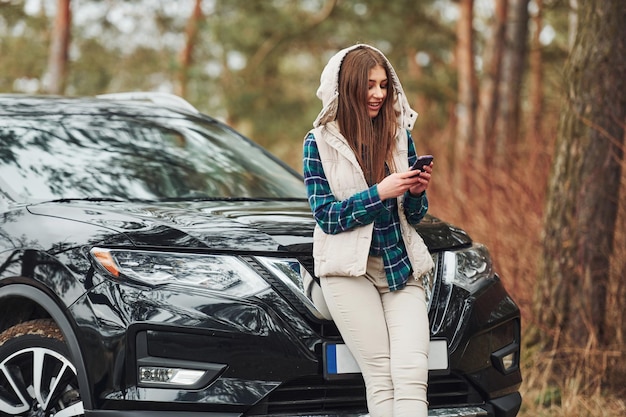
[(37, 376)]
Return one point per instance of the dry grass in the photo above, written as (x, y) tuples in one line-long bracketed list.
[(504, 209), (578, 394)]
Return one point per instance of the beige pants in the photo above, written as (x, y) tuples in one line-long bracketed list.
[(387, 333)]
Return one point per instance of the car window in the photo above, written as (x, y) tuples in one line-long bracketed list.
[(146, 158)]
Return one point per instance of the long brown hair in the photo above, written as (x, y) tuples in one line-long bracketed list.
[(372, 140)]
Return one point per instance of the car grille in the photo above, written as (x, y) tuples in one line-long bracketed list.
[(308, 263), (314, 395), (451, 390)]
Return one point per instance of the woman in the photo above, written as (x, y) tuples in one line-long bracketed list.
[(365, 200)]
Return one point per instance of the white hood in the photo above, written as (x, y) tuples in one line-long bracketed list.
[(328, 91)]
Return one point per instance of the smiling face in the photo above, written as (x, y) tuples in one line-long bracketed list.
[(365, 109), (377, 90)]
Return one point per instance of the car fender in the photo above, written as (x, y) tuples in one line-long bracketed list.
[(49, 272)]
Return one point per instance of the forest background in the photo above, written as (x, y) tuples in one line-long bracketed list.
[(523, 103)]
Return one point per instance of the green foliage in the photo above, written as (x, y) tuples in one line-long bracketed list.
[(92, 71), (23, 46)]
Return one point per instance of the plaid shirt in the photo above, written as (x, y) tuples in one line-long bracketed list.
[(363, 208)]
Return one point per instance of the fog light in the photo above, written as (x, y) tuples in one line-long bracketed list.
[(169, 376), (506, 360), (509, 361)]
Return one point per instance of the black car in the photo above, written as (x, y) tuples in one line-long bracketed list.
[(153, 261)]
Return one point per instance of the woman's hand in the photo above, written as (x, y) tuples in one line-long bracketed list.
[(424, 180), (398, 183)]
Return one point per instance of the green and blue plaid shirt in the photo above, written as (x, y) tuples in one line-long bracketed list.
[(363, 208)]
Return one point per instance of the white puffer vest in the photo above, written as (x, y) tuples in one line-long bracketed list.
[(346, 253)]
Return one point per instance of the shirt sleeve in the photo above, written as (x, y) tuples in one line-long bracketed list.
[(415, 206), (332, 215)]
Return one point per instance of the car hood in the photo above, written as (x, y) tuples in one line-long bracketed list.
[(246, 226)]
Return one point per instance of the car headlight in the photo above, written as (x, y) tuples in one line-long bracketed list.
[(467, 268), (300, 282), (214, 272)]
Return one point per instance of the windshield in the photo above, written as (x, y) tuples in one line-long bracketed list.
[(139, 157)]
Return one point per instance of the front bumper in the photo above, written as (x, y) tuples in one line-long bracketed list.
[(270, 357), (458, 412), (507, 406)]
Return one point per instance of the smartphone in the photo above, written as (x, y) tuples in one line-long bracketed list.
[(422, 161)]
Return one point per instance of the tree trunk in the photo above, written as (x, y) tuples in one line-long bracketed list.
[(572, 23), (186, 55), (466, 108), (510, 87), (535, 136), (488, 104), (584, 186), (58, 58)]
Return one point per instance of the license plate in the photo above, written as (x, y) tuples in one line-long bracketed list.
[(338, 361)]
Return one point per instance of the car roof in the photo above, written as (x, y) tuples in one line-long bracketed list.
[(23, 104)]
